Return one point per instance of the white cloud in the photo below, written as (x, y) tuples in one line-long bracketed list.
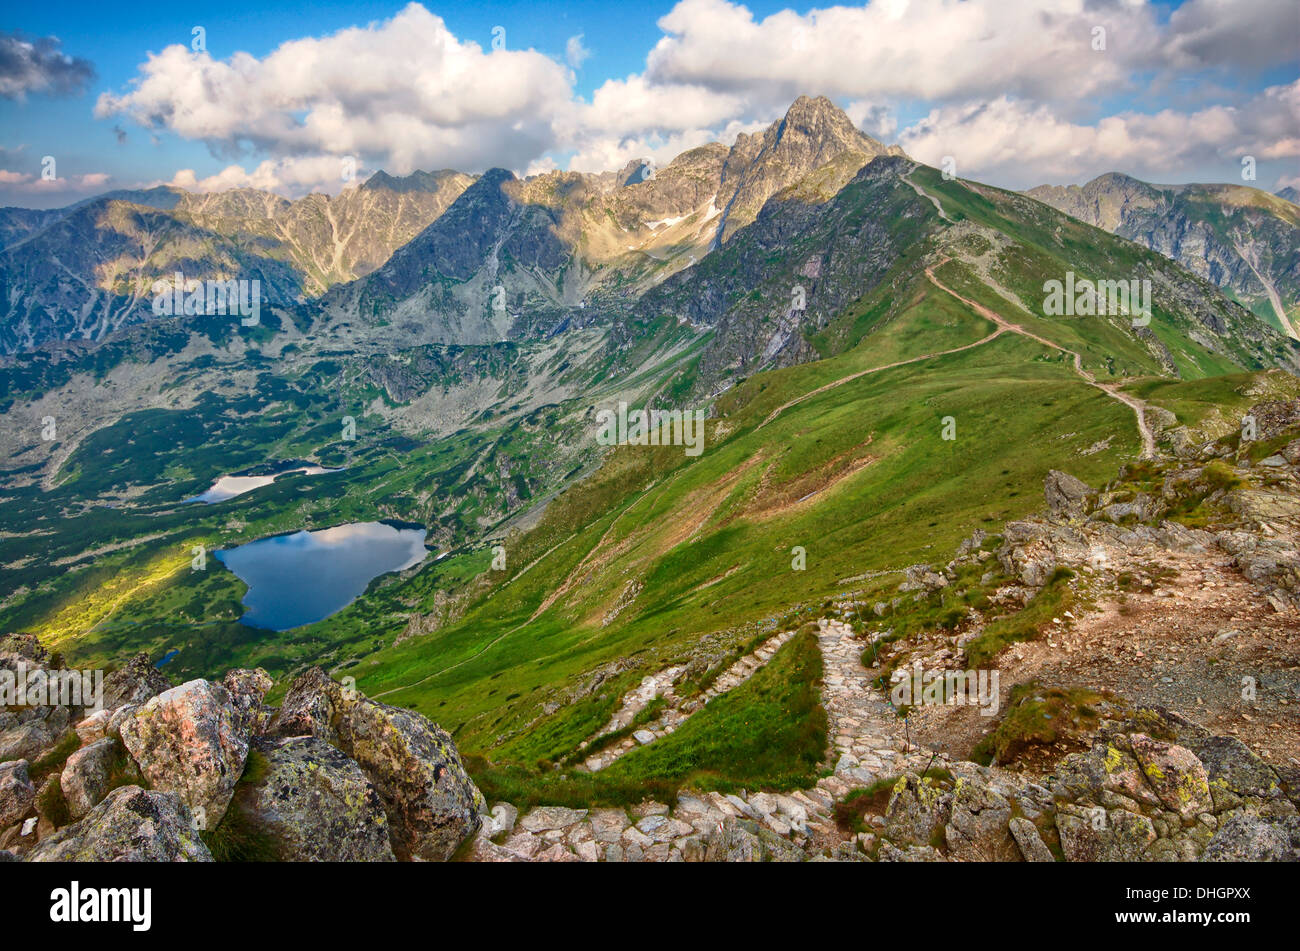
[(405, 92), (33, 191), (1010, 86), (1019, 144), (287, 176), (923, 49), (575, 54)]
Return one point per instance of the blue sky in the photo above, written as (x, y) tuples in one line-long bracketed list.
[(1015, 90)]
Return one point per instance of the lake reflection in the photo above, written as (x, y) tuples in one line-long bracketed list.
[(307, 576)]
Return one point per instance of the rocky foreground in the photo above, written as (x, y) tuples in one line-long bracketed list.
[(206, 770), (166, 773)]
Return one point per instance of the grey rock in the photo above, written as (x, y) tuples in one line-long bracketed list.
[(1248, 838), (432, 804), (17, 792), (1067, 497), (1031, 845), (917, 810), (130, 825), (308, 707), (86, 776), (315, 803), (137, 682), (742, 840), (26, 741), (977, 826), (1113, 835)]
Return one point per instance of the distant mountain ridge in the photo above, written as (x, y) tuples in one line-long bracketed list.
[(84, 271), (551, 242), (1243, 239)]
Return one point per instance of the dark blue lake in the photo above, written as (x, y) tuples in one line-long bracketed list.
[(307, 576)]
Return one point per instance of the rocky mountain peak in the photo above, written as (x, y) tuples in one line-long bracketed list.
[(814, 132)]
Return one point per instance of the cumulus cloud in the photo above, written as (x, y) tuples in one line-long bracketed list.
[(39, 66), (923, 49), (1009, 87), (1244, 33), (961, 50), (293, 176), (1020, 145), (405, 91), (32, 191)]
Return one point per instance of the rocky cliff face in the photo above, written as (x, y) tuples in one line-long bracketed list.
[(206, 770), (1243, 239)]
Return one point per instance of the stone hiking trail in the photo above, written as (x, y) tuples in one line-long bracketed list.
[(1002, 325), (867, 744)]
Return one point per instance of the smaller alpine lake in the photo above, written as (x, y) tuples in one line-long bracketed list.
[(231, 486), (304, 577)]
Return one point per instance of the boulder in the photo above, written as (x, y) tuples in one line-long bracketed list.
[(432, 804), (1232, 767), (17, 793), (25, 741), (190, 740), (137, 682), (977, 825), (1031, 844), (246, 689), (1175, 774), (1100, 835), (743, 840), (86, 776), (917, 810), (93, 727), (120, 716), (130, 825), (1248, 838), (308, 708), (1106, 767), (26, 647), (1067, 497), (314, 802)]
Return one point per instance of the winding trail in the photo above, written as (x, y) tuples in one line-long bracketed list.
[(889, 366), (867, 743), (1002, 326), (678, 710), (1110, 389)]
